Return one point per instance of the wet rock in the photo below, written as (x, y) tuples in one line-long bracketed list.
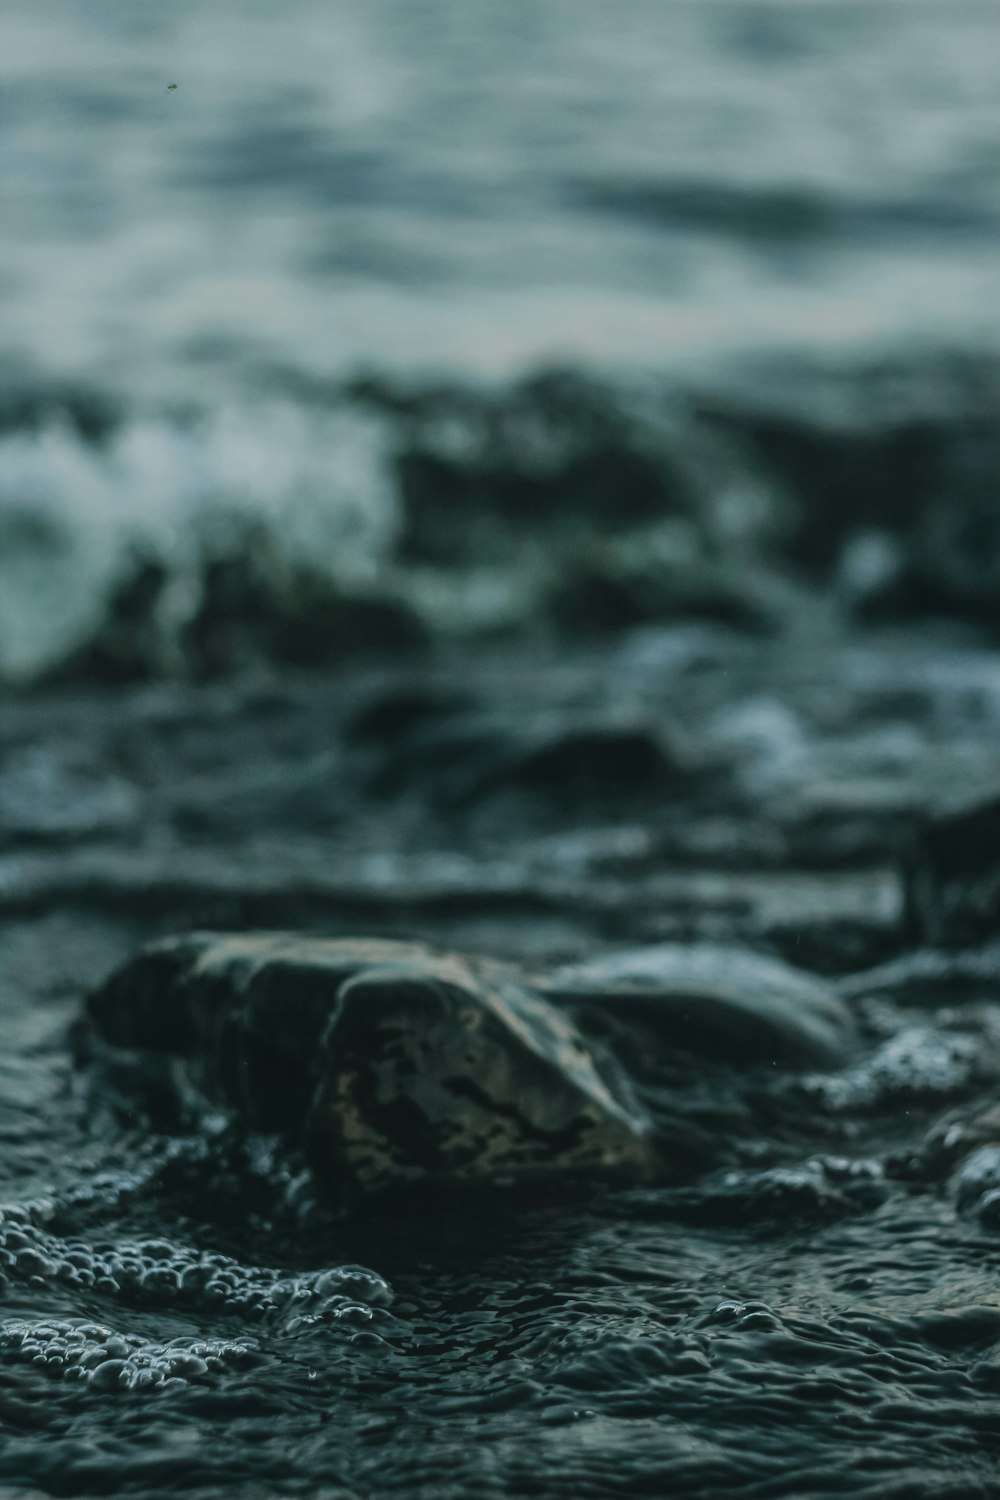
[(400, 710), (639, 583), (818, 1189), (929, 974), (728, 1002), (978, 1177), (437, 1075), (919, 1065), (459, 760), (398, 1063), (952, 876), (594, 758)]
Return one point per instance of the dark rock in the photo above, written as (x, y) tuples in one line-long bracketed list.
[(726, 1002), (401, 710), (398, 1063), (458, 760), (952, 876), (596, 758), (618, 589), (442, 1074), (928, 974)]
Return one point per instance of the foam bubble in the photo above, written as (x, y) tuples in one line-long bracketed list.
[(78, 1351), (161, 1273)]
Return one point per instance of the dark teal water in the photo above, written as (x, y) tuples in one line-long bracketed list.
[(811, 1310), (484, 188)]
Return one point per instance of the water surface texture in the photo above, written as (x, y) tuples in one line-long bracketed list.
[(485, 186), (808, 1306)]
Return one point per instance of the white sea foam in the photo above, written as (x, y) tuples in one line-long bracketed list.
[(71, 510)]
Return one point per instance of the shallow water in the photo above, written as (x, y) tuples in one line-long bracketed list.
[(812, 1310)]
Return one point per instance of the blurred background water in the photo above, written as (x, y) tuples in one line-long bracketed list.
[(485, 186), (214, 214)]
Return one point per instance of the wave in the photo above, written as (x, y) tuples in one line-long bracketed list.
[(298, 524)]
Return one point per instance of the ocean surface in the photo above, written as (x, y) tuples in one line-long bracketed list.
[(488, 187), (216, 216), (521, 478)]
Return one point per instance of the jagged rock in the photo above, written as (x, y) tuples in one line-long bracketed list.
[(441, 1074), (397, 1063)]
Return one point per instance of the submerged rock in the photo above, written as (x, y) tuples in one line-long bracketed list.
[(398, 1063)]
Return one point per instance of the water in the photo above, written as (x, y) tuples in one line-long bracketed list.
[(685, 642), (811, 1309), (486, 187), (763, 200)]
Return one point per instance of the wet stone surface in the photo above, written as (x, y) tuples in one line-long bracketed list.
[(403, 1064), (762, 1258)]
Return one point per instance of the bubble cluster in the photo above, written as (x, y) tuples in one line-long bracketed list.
[(89, 1353), (160, 1272)]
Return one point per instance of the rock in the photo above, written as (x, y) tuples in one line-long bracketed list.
[(619, 587), (439, 1074), (727, 1002), (952, 876), (928, 974), (459, 761), (398, 1064)]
